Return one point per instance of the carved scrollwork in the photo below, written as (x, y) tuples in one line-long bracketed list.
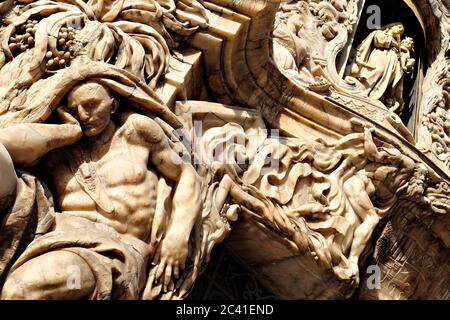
[(297, 178), (434, 126), (310, 192), (306, 34)]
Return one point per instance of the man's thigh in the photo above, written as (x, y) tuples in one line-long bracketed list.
[(53, 275)]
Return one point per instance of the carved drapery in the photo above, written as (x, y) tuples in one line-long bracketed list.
[(308, 213), (288, 106)]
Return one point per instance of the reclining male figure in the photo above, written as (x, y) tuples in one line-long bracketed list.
[(105, 187)]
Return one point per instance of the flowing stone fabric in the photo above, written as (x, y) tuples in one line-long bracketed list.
[(123, 46), (30, 216), (132, 36)]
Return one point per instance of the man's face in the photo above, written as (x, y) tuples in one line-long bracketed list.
[(91, 104)]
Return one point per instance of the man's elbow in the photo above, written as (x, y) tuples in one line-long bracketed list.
[(189, 172), (8, 179), (25, 159)]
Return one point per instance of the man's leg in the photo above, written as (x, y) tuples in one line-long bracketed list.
[(357, 195), (53, 275), (241, 197)]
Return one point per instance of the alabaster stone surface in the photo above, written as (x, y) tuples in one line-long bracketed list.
[(137, 136)]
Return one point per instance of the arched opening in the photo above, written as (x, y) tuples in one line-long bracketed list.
[(406, 13)]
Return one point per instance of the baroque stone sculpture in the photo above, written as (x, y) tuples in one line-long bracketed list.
[(135, 136), (380, 63)]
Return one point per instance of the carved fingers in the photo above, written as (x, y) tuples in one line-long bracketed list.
[(169, 261), (67, 134), (348, 272), (66, 117)]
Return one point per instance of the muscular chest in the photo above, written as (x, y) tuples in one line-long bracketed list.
[(101, 166), (122, 166)]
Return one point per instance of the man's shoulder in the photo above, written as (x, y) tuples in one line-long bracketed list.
[(132, 118), (143, 125), (139, 120)]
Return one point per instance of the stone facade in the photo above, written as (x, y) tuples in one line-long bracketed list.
[(310, 138)]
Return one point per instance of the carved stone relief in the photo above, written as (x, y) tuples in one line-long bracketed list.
[(380, 63), (136, 136)]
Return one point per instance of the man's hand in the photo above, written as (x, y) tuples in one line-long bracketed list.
[(170, 260), (66, 117), (69, 131)]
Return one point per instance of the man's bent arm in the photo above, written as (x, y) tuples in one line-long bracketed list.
[(28, 142), (187, 195)]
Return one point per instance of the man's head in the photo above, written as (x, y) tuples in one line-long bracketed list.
[(418, 182), (91, 104)]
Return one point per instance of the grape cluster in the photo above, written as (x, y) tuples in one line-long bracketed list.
[(65, 49), (24, 37)]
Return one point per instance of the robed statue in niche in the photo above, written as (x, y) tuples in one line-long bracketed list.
[(381, 62)]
